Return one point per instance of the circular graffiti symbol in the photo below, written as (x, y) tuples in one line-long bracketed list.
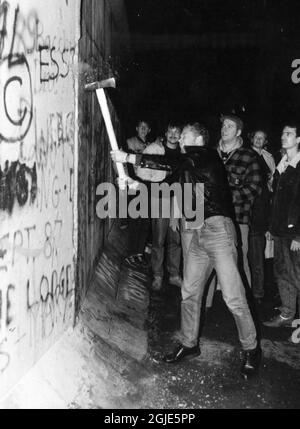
[(15, 127)]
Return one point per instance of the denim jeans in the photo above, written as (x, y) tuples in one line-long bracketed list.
[(287, 275), (163, 235), (257, 244), (214, 246), (186, 240)]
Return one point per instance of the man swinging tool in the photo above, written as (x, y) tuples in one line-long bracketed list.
[(211, 244)]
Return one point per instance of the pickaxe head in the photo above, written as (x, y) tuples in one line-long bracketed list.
[(107, 83)]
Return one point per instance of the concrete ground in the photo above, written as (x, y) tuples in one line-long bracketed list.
[(112, 359), (212, 380)]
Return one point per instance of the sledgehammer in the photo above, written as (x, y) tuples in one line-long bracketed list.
[(99, 88)]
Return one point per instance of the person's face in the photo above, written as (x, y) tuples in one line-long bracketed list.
[(259, 140), (188, 138), (143, 130), (173, 135), (229, 130), (289, 139)]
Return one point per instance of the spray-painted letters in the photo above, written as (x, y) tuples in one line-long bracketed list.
[(38, 53)]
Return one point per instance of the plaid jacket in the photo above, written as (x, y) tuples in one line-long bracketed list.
[(245, 180)]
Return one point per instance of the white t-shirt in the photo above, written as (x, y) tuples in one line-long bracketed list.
[(149, 174)]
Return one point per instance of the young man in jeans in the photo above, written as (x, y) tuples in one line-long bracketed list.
[(212, 245), (285, 227), (245, 181)]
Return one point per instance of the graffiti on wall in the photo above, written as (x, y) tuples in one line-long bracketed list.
[(17, 183), (37, 127), (55, 58), (53, 304)]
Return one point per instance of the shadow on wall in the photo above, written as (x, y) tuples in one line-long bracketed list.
[(99, 58)]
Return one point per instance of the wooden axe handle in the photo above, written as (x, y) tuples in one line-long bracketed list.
[(109, 127)]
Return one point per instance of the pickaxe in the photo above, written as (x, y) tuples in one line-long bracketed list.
[(99, 88)]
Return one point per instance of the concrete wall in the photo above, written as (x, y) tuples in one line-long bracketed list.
[(103, 52), (38, 178)]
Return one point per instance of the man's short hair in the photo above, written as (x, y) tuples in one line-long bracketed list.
[(239, 123), (199, 130), (294, 125), (174, 124), (143, 120)]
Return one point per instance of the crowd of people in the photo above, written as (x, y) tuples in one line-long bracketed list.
[(251, 208)]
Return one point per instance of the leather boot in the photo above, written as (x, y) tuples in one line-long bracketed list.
[(182, 352), (251, 362), (279, 322)]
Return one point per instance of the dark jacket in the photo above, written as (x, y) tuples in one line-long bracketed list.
[(199, 165), (285, 216), (260, 216), (245, 179)]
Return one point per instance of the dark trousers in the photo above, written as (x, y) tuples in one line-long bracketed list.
[(287, 275), (139, 230), (138, 234), (163, 235), (256, 255)]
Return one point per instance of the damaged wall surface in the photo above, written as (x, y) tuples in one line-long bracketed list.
[(38, 178), (54, 152), (102, 52)]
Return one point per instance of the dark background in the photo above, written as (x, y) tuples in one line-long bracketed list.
[(196, 59)]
